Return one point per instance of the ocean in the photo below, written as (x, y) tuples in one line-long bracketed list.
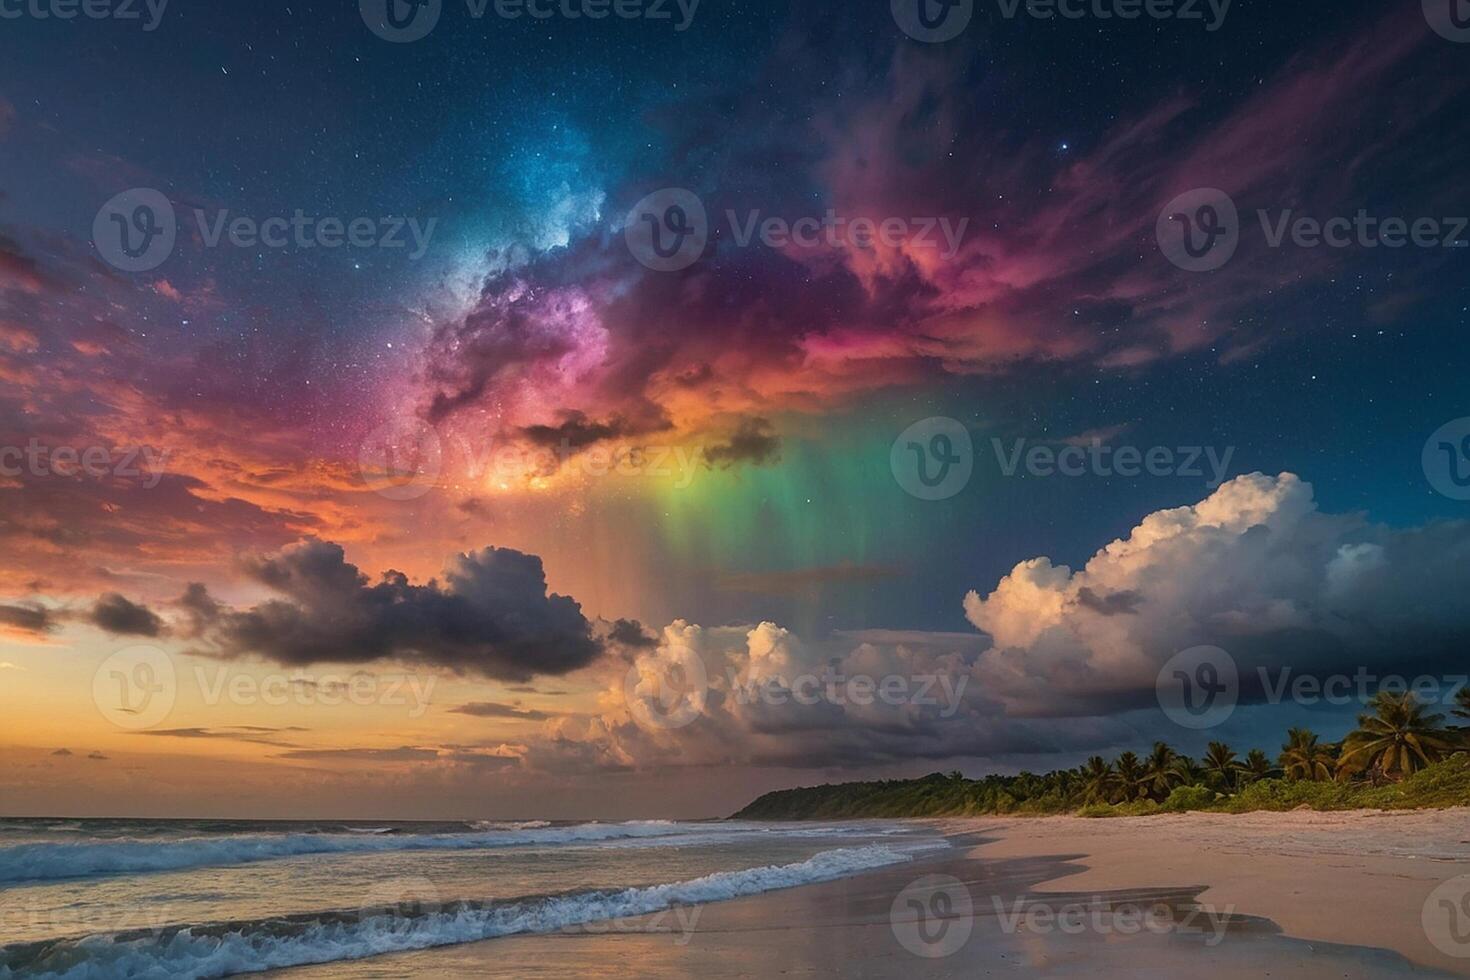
[(213, 898)]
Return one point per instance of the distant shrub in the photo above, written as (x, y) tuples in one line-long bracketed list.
[(1444, 784), (1280, 795), (1190, 798), (1098, 810)]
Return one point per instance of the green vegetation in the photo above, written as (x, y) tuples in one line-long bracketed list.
[(1399, 757)]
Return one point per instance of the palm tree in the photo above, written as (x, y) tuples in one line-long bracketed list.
[(1462, 710), (1221, 766), (1257, 766), (1397, 740), (1303, 757), (1190, 774), (1132, 781), (1162, 771), (1099, 782)]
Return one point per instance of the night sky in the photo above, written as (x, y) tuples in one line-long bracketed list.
[(782, 374)]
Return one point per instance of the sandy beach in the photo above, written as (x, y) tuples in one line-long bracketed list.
[(1282, 895), (1358, 878)]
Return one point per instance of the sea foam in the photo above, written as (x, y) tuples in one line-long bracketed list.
[(222, 949)]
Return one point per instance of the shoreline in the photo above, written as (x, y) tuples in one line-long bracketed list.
[(1301, 895)]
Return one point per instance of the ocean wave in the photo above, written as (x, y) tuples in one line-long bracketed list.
[(223, 949), (509, 824), (51, 861)]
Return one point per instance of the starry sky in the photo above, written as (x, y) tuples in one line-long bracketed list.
[(773, 379)]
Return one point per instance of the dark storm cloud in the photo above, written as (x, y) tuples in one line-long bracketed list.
[(630, 633), (492, 615), (116, 614), (112, 612), (494, 709), (577, 431), (754, 441), (200, 608), (32, 619)]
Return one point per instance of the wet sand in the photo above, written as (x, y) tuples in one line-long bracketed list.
[(1313, 895)]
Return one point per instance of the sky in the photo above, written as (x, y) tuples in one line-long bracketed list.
[(449, 410)]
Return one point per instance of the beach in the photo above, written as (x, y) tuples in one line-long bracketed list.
[(1357, 878), (1355, 894), (1267, 894)]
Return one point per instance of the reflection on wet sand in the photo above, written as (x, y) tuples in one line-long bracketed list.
[(862, 927)]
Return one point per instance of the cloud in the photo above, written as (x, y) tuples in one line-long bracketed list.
[(630, 633), (7, 665), (739, 725), (97, 756), (112, 612), (1066, 661), (491, 616), (19, 271), (1056, 266), (116, 614), (754, 441), (240, 733), (448, 755), (1256, 569), (493, 709), (577, 431), (62, 752), (404, 753), (30, 619)]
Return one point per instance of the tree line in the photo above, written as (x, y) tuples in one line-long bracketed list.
[(1396, 739)]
